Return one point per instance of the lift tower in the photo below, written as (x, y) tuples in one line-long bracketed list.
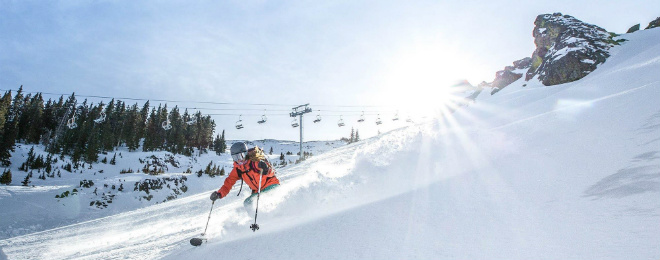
[(300, 111)]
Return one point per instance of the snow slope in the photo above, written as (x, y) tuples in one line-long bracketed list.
[(35, 207), (563, 172)]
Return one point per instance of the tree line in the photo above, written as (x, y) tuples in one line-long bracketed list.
[(355, 136), (82, 130)]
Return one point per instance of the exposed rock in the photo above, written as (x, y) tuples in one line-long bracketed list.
[(653, 24), (511, 73), (633, 29), (567, 49), (523, 63), (477, 90)]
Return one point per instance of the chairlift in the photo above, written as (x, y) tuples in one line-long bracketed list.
[(341, 122), (318, 119), (166, 124), (378, 121), (409, 120), (71, 123), (396, 116), (361, 118), (101, 118), (239, 123), (294, 123), (263, 118)]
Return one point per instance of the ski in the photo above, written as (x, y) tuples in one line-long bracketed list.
[(195, 241)]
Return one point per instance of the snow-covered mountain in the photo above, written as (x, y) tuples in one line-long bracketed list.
[(569, 171)]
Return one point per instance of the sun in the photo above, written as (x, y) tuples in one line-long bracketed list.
[(420, 79)]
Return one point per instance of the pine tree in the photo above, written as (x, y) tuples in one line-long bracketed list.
[(6, 177), (34, 117), (161, 133), (357, 136), (5, 104), (217, 146), (119, 122), (352, 139), (30, 160), (53, 116), (113, 161), (89, 136), (23, 119), (48, 121), (175, 137), (108, 131), (67, 142), (151, 132), (10, 128), (214, 171), (141, 123), (208, 168), (271, 151), (189, 130), (6, 144), (27, 181), (223, 141), (203, 135), (131, 125)]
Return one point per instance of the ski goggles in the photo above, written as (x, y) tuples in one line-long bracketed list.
[(239, 156)]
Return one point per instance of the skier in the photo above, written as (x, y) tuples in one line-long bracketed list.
[(250, 166)]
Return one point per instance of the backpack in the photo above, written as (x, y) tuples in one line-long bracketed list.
[(255, 154)]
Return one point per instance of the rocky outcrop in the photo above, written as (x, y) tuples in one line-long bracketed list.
[(633, 29), (653, 24), (567, 49), (511, 73), (477, 91)]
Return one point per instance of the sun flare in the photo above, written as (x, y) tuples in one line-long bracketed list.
[(419, 80)]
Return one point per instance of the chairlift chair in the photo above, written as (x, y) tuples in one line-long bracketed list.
[(396, 117), (318, 119), (294, 123), (71, 123), (341, 122), (361, 118), (263, 119), (166, 124), (239, 123), (378, 121), (101, 118), (409, 120)]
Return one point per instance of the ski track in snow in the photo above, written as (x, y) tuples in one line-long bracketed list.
[(564, 172)]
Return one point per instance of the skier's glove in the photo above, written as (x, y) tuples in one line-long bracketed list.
[(215, 195)]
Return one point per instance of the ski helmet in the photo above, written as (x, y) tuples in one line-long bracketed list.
[(238, 151)]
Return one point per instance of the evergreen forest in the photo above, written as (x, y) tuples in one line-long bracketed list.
[(82, 130)]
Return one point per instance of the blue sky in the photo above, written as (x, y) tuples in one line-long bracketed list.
[(348, 56)]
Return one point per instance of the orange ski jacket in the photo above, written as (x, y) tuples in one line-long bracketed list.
[(249, 172)]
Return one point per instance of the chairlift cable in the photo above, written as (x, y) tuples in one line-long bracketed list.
[(188, 101), (199, 109)]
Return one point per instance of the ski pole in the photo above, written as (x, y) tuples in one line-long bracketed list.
[(207, 221), (197, 241), (254, 226)]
